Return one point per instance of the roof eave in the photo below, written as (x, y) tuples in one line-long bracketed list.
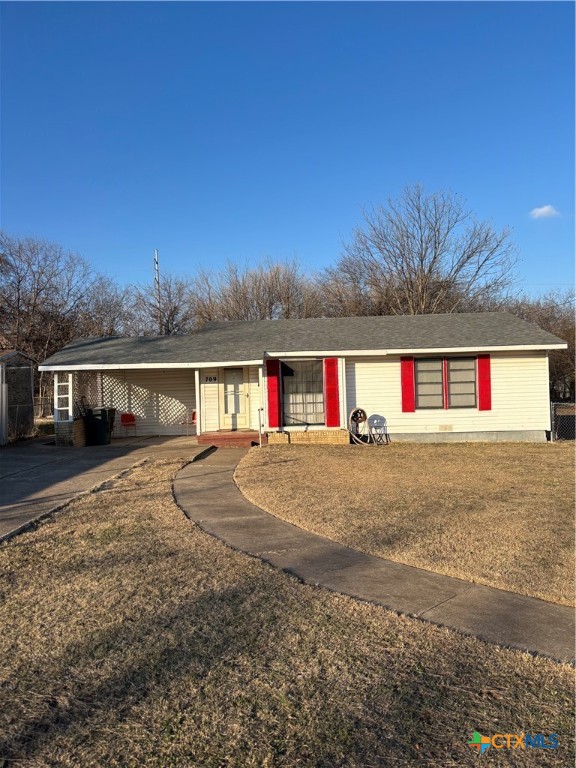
[(141, 366), (416, 351), (305, 353)]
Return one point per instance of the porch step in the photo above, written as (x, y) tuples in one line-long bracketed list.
[(236, 439)]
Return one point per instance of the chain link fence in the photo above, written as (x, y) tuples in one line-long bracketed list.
[(43, 407), (563, 421), (20, 421)]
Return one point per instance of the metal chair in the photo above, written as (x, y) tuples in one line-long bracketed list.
[(128, 420), (379, 430)]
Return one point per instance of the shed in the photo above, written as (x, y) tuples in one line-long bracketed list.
[(16, 395)]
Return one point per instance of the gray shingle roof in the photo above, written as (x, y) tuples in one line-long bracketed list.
[(243, 341), (8, 354)]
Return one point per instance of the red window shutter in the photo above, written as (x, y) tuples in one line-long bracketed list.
[(331, 392), (484, 383), (407, 379), (445, 395), (273, 386)]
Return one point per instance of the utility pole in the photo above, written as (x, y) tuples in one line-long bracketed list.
[(157, 287)]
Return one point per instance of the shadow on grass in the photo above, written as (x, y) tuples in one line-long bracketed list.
[(209, 658), (244, 672)]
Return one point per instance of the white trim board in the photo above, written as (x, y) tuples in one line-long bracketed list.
[(419, 351), (142, 366)]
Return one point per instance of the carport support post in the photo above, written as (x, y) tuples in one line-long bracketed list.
[(55, 385), (197, 401), (3, 407)]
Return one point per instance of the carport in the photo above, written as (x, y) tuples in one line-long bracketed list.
[(162, 400)]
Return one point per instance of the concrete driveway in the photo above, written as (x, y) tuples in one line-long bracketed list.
[(36, 477)]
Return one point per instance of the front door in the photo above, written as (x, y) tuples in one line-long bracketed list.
[(233, 401)]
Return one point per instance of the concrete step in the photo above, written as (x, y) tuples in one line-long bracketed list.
[(232, 439)]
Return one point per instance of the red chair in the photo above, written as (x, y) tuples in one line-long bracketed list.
[(189, 421), (128, 420)]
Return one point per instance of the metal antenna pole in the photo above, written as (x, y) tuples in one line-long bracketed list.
[(157, 287)]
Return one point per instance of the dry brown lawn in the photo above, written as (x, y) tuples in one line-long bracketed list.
[(496, 514), (131, 638)]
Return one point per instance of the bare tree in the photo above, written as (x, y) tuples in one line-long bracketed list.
[(554, 312), (419, 254), (270, 291), (106, 310), (42, 289), (49, 296), (176, 308)]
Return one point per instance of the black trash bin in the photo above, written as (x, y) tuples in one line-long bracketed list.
[(111, 414), (99, 423)]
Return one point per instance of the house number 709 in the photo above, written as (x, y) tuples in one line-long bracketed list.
[(211, 378)]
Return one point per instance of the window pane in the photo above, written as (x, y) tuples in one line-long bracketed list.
[(462, 383), (429, 384), (303, 392), (430, 401), (462, 376), (462, 364), (427, 376), (429, 365), (430, 389), (463, 388), (463, 401)]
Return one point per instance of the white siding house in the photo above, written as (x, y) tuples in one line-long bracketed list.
[(435, 377), (519, 387)]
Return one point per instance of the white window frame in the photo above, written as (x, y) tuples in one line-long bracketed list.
[(63, 396)]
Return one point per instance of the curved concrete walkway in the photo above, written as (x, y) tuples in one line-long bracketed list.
[(206, 492)]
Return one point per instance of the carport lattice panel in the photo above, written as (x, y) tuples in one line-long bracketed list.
[(162, 400), (86, 389)]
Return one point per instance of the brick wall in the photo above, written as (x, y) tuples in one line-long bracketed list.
[(312, 437), (70, 433)]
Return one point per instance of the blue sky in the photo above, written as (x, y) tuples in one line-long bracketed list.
[(217, 131)]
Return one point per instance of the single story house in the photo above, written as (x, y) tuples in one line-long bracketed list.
[(478, 376)]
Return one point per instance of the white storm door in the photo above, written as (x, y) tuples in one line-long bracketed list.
[(234, 405)]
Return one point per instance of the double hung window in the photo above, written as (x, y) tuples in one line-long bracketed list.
[(461, 382), (446, 382), (429, 383)]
